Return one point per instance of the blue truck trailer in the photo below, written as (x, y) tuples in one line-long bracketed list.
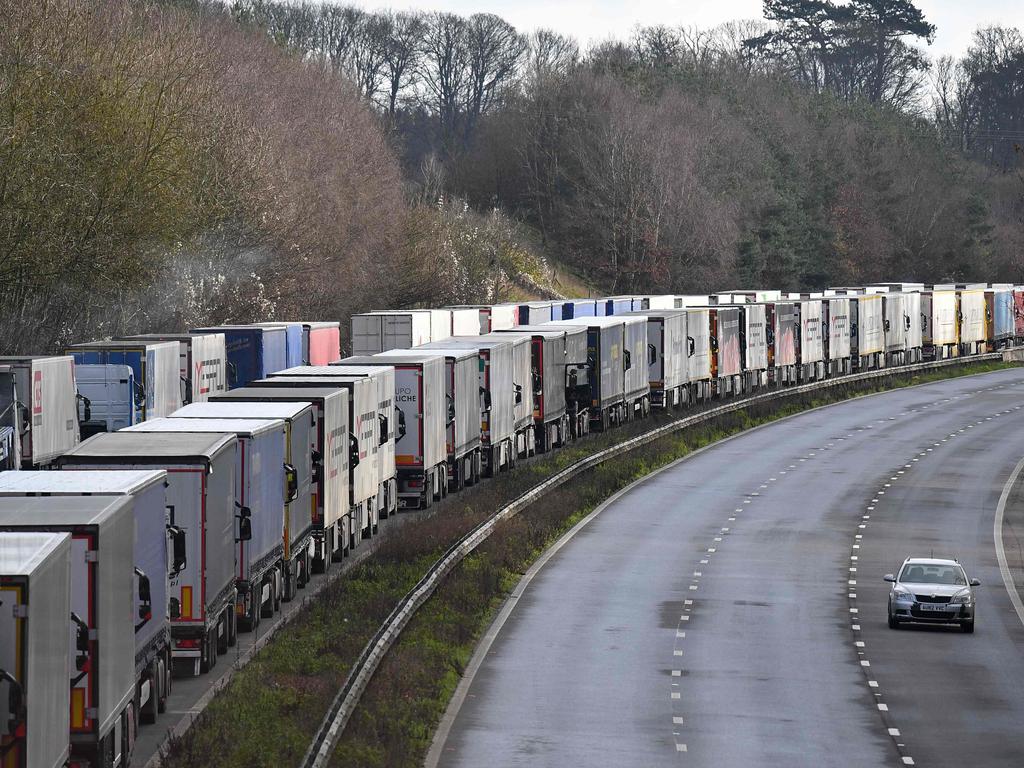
[(254, 352)]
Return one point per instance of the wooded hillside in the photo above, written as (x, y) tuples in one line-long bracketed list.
[(168, 164)]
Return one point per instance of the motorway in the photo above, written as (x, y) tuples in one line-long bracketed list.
[(730, 611)]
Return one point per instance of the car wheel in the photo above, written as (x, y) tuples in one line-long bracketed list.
[(967, 626), (893, 621)]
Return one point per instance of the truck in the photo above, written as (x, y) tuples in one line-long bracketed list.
[(253, 352), (497, 387), (464, 416), (35, 658), (101, 640), (787, 345), (420, 452), (493, 317), (838, 348), (896, 324), (375, 332), (535, 312), (754, 345), (39, 397), (549, 361), (999, 313), (868, 331), (465, 321), (263, 483), (321, 342), (577, 308), (364, 440), (158, 384), (727, 351), (202, 362), (668, 355), (331, 513), (200, 496), (300, 463), (522, 387), (294, 336), (698, 340), (109, 399), (939, 334), (159, 555), (973, 330), (606, 347), (811, 339), (617, 305), (1018, 313)]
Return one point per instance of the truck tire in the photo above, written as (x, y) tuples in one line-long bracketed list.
[(268, 611), (165, 682), (232, 626), (222, 632), (149, 711)]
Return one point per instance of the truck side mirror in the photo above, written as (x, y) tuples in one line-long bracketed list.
[(538, 384), (174, 608), (627, 360), (317, 460), (232, 370), (81, 642), (451, 408), (652, 354), (401, 423), (178, 557), (86, 403), (519, 393), (291, 476), (186, 390), (906, 322), (15, 701), (487, 398), (691, 346), (384, 427), (244, 523), (140, 395), (145, 599), (353, 451), (886, 325)]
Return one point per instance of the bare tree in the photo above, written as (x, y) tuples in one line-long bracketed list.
[(369, 53), (548, 54), (443, 71), (401, 56), (494, 50)]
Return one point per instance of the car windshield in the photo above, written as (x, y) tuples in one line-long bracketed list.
[(920, 573)]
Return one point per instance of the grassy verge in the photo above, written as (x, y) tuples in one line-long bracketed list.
[(400, 710), (271, 708)]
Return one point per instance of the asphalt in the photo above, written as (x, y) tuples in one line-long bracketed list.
[(705, 617)]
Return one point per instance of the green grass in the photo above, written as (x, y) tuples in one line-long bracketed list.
[(269, 711)]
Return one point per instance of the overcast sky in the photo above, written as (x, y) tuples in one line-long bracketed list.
[(600, 19)]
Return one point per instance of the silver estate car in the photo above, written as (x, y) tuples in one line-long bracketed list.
[(931, 591)]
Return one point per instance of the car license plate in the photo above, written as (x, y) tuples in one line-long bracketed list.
[(935, 607)]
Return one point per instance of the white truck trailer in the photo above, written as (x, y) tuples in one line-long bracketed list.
[(261, 490), (103, 601), (200, 501), (300, 445), (45, 409), (35, 663), (331, 514), (159, 556)]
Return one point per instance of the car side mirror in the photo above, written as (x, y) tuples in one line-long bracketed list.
[(890, 578), (975, 583)]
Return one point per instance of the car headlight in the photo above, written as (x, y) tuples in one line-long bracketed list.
[(901, 594), (963, 597)]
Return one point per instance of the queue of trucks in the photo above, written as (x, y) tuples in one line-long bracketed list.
[(164, 492)]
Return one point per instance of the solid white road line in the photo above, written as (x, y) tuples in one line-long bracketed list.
[(997, 535)]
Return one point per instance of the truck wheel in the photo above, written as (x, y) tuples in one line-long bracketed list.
[(267, 610), (208, 660), (165, 682), (149, 710), (222, 632), (232, 626)]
